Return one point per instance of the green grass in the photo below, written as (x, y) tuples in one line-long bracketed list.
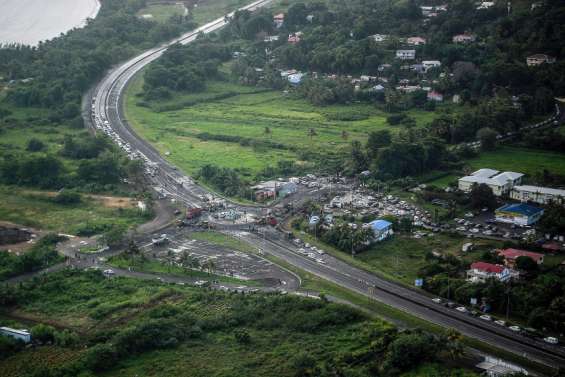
[(211, 9), (38, 211), (246, 114), (527, 161), (162, 12), (443, 181)]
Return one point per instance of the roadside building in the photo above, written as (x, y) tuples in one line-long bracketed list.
[(500, 183), (406, 54), (479, 272), (278, 20), (287, 188), (536, 194), (416, 41), (510, 255), (493, 367), (464, 38), (518, 214), (538, 59), (428, 64), (22, 335), (382, 229), (435, 96), (271, 38)]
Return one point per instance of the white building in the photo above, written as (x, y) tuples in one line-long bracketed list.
[(539, 59), (379, 37), (500, 183), (427, 64), (479, 272), (22, 335), (406, 54), (536, 194)]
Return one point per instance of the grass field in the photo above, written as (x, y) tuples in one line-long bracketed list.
[(224, 240), (37, 210), (527, 161), (162, 12), (246, 114)]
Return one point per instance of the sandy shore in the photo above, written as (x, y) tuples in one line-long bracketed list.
[(31, 21)]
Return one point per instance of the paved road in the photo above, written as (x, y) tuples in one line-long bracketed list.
[(108, 114)]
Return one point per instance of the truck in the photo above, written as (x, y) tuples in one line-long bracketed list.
[(193, 213)]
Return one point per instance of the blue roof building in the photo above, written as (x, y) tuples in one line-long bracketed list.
[(381, 228), (519, 214)]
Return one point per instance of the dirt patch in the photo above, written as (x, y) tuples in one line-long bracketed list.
[(18, 244)]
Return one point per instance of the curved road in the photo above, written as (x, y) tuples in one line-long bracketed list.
[(107, 116)]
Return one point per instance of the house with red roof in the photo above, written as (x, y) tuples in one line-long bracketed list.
[(510, 255), (480, 272)]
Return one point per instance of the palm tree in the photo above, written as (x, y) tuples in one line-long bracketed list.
[(454, 345), (268, 131)]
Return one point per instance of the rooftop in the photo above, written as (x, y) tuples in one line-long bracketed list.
[(515, 253), (521, 208), (380, 224), (541, 190), (487, 267)]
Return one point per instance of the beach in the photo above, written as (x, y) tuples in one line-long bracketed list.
[(31, 21)]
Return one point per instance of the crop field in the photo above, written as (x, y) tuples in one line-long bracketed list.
[(522, 160), (177, 126)]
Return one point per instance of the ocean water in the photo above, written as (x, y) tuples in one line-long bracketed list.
[(31, 21)]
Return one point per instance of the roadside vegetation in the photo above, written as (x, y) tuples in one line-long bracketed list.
[(173, 329)]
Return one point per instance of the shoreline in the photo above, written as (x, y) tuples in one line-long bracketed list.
[(31, 22)]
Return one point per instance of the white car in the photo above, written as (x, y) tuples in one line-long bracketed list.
[(551, 340), (461, 309), (437, 300), (515, 328), (486, 317), (500, 322), (109, 272)]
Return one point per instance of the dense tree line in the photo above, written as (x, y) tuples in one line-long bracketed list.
[(60, 70), (226, 180)]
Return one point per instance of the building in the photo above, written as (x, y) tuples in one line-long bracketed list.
[(500, 183), (536, 194), (416, 41), (428, 64), (287, 188), (493, 367), (510, 256), (382, 229), (486, 5), (22, 335), (379, 37), (271, 38), (518, 214), (278, 20), (294, 38), (406, 54), (464, 38), (479, 272), (435, 96), (538, 59), (295, 78)]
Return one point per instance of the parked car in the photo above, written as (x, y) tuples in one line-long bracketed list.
[(500, 322), (515, 328), (437, 300), (461, 309), (486, 317)]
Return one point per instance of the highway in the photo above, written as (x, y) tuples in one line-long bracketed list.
[(107, 116)]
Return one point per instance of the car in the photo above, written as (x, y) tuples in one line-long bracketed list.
[(109, 272), (486, 317), (515, 328), (461, 309), (500, 322), (551, 340), (437, 300)]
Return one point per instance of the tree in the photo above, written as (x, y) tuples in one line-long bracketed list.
[(487, 137), (268, 132), (35, 145), (482, 196), (311, 133), (526, 263), (43, 333), (377, 139)]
